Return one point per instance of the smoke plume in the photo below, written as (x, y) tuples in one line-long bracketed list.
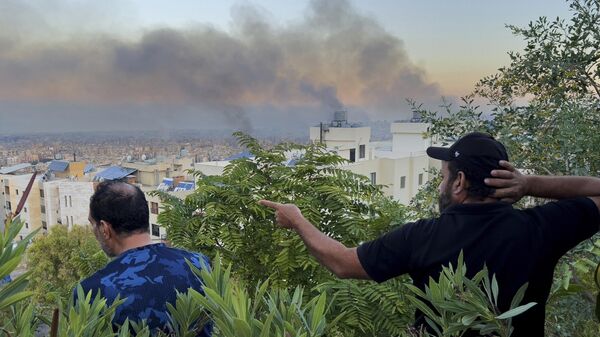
[(255, 71)]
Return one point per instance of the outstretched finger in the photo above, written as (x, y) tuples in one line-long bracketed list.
[(498, 182), (503, 174), (270, 204), (504, 193), (507, 165)]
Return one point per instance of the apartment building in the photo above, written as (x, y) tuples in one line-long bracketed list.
[(400, 164), (152, 172)]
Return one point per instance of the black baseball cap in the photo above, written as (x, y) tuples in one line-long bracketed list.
[(476, 151)]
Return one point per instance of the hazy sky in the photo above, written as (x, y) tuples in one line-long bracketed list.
[(457, 41), (69, 65)]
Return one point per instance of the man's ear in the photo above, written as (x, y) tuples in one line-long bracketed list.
[(460, 183), (106, 229)]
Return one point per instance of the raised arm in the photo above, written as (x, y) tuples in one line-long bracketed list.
[(339, 259), (511, 185)]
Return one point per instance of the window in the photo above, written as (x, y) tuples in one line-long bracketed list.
[(6, 190), (373, 178), (65, 201), (361, 151), (17, 192), (70, 202), (44, 225), (26, 225), (25, 209), (154, 207), (403, 182), (8, 205), (43, 209), (155, 230), (67, 221), (420, 178), (72, 222), (352, 155), (41, 193)]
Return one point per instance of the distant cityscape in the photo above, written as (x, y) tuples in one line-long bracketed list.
[(112, 147), (68, 166)]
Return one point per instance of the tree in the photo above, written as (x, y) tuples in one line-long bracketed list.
[(60, 259), (223, 216)]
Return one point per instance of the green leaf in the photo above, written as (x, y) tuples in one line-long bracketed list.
[(516, 311)]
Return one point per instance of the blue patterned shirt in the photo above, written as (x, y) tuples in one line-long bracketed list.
[(148, 277)]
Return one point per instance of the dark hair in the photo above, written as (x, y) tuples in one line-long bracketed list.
[(477, 187), (122, 205)]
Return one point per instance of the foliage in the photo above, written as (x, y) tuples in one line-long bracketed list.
[(60, 259), (11, 253), (23, 321), (10, 257), (87, 316), (223, 214), (370, 309), (425, 203), (268, 312), (459, 304)]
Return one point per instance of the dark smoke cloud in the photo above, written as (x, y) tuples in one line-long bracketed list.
[(256, 72)]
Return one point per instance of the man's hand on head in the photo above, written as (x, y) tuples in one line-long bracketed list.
[(286, 215), (510, 184)]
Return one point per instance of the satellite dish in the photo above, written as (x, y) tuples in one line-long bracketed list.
[(129, 158), (144, 157)]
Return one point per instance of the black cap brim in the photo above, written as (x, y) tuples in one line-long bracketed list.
[(440, 153)]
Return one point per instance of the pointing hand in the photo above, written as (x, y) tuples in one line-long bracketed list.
[(286, 215)]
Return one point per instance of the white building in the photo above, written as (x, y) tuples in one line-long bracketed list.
[(401, 164), (156, 231), (74, 202), (13, 187)]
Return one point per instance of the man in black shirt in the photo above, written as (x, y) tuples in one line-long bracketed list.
[(477, 217)]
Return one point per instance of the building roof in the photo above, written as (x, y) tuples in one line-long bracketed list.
[(245, 154), (114, 173), (58, 166), (14, 168), (185, 186), (89, 168), (165, 185)]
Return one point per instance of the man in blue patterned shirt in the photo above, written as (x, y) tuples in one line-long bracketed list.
[(147, 275)]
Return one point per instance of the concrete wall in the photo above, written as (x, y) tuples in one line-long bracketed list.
[(3, 199), (31, 213), (344, 139), (408, 137), (52, 203), (211, 168), (74, 200), (162, 232)]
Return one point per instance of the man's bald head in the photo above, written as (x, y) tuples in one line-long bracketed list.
[(122, 205)]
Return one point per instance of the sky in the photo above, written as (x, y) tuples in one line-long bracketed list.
[(73, 65)]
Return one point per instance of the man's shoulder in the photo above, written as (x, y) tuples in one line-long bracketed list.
[(553, 205), (183, 253), (94, 281)]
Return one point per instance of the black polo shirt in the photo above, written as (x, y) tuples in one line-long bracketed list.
[(518, 246)]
